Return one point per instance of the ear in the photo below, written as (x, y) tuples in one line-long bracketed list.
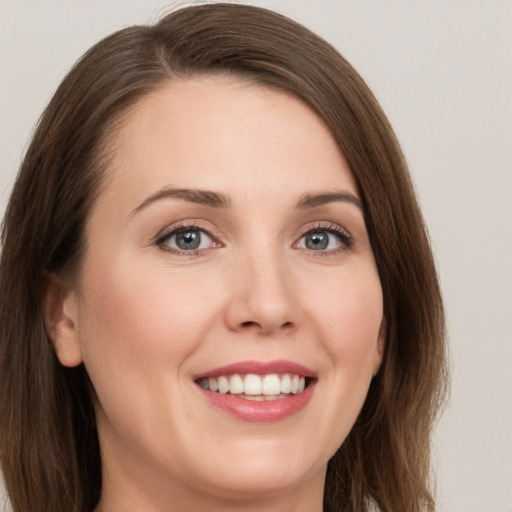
[(381, 345), (60, 310)]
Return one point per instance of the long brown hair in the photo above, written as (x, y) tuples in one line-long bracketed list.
[(48, 441)]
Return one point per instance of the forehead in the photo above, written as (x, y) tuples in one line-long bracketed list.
[(217, 132)]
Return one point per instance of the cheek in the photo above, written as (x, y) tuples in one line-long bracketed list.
[(138, 329), (351, 321), (346, 313), (140, 318)]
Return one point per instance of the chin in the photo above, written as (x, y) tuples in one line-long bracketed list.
[(277, 473), (259, 483)]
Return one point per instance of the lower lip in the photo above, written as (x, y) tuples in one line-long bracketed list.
[(260, 412)]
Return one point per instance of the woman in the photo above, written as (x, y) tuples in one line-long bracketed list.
[(217, 288)]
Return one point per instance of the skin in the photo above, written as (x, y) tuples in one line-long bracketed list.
[(145, 317)]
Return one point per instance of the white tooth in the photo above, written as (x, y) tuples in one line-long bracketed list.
[(252, 384), (236, 384), (271, 397), (223, 385), (271, 385), (204, 383), (255, 398), (213, 384), (302, 384), (295, 384), (286, 383)]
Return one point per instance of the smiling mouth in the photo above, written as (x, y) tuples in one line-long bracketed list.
[(274, 386)]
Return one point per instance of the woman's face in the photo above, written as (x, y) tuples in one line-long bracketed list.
[(227, 250)]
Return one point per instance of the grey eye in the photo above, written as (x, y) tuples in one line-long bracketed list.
[(320, 240), (317, 241), (188, 239)]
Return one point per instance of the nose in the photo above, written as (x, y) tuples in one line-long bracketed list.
[(263, 298)]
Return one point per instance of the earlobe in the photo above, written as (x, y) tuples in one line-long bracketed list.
[(381, 345), (60, 311)]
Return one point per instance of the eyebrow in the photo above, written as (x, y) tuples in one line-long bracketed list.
[(203, 197), (313, 200), (219, 200)]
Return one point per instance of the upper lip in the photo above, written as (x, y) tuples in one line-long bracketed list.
[(259, 368)]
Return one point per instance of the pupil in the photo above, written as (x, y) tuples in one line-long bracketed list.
[(317, 241), (188, 240)]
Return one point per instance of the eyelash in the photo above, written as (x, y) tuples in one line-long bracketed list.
[(175, 230), (346, 241)]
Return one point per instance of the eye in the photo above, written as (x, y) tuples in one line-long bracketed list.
[(186, 239), (324, 239)]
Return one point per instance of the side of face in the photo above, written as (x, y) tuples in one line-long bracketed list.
[(228, 240)]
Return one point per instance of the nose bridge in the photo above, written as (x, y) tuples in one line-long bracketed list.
[(263, 298)]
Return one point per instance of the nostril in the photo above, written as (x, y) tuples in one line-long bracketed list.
[(251, 324), (248, 324)]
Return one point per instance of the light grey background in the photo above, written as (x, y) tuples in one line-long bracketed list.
[(443, 72)]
